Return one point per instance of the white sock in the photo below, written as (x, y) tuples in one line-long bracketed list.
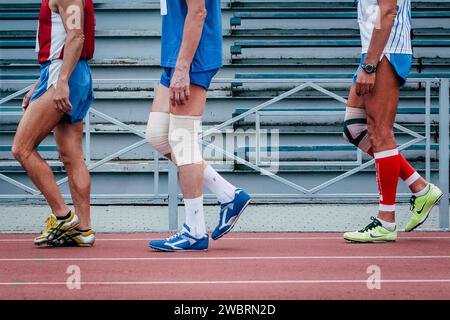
[(388, 225), (413, 178), (223, 190), (422, 192), (195, 218)]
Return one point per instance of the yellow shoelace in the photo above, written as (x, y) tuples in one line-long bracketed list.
[(51, 223)]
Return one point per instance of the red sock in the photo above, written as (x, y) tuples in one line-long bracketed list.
[(388, 171), (407, 172)]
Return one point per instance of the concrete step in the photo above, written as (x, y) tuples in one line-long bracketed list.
[(110, 140), (271, 85), (149, 69), (153, 218), (110, 15), (309, 33), (124, 187), (348, 5), (134, 110), (335, 18), (326, 48)]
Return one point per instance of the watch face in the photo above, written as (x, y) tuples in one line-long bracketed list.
[(369, 68)]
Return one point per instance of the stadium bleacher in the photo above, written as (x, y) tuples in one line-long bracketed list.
[(263, 40)]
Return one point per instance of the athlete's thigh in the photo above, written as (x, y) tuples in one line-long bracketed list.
[(38, 121), (195, 106), (161, 101), (69, 139), (381, 105)]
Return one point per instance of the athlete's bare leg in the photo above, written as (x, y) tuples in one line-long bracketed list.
[(38, 121), (381, 107), (69, 140), (355, 101)]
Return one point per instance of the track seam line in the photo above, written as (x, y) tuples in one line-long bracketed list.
[(227, 282)]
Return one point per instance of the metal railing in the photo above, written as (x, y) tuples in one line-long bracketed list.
[(173, 197)]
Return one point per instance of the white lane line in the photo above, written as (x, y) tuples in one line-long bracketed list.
[(224, 258), (226, 282), (243, 238)]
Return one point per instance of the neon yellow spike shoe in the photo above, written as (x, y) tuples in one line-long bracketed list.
[(374, 232), (55, 228), (421, 207), (75, 238)]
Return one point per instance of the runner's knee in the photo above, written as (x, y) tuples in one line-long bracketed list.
[(71, 156), (20, 153), (355, 128), (158, 132), (183, 139)]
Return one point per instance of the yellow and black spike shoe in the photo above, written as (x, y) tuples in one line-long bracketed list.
[(75, 238), (422, 206), (56, 227)]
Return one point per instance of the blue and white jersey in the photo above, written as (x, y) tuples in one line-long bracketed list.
[(368, 19)]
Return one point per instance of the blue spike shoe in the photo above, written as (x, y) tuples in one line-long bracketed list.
[(180, 242), (230, 213)]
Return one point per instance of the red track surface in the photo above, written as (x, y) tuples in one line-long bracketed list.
[(240, 266)]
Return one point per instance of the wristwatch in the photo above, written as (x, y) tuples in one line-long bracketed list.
[(369, 68)]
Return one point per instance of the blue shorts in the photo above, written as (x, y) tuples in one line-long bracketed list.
[(201, 78), (400, 62), (80, 86)]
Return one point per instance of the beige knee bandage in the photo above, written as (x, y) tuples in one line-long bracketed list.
[(158, 132), (183, 139), (355, 128)]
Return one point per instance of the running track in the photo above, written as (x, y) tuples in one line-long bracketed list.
[(239, 266)]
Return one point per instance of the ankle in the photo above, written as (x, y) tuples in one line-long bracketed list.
[(84, 228), (419, 185), (386, 216), (84, 225), (63, 215), (390, 226), (387, 220)]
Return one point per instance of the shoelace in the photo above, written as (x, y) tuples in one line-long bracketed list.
[(50, 223), (412, 203), (176, 235), (375, 223)]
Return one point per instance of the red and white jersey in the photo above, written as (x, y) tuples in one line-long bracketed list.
[(51, 35)]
